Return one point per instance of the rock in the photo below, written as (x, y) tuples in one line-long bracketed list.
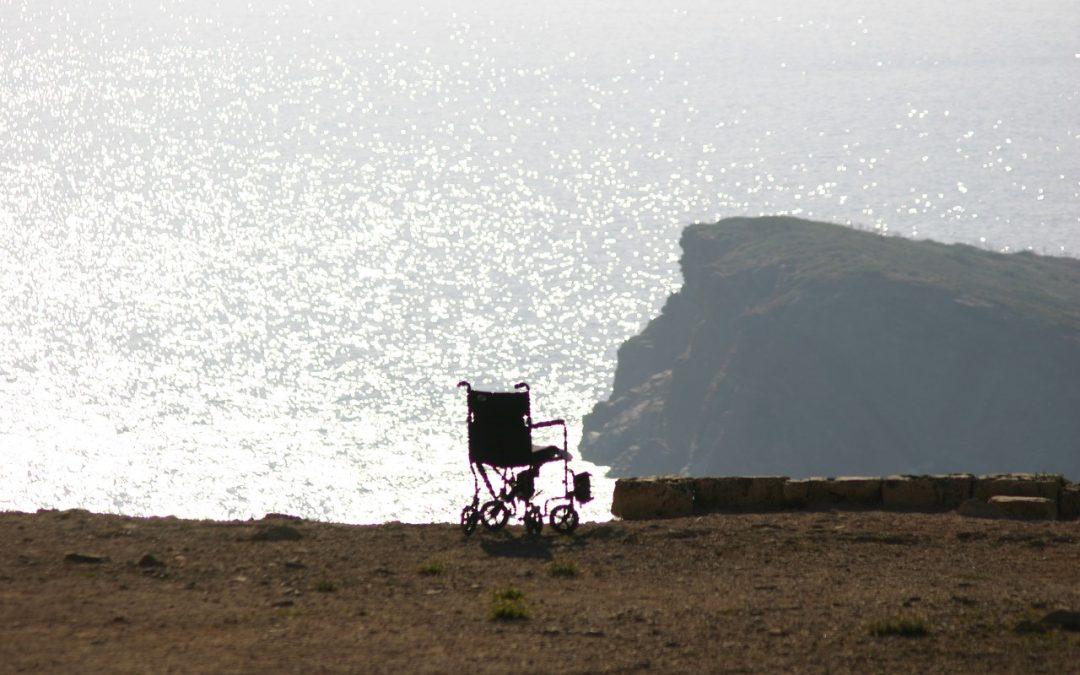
[(276, 533), (804, 348), (632, 432), (926, 493), (68, 513), (1017, 485), (85, 559), (1069, 502), (281, 516), (739, 493), (844, 491), (908, 492), (1028, 508), (977, 508), (952, 489), (796, 493), (149, 560), (653, 497)]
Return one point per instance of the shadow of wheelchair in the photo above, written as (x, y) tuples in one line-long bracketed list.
[(533, 548)]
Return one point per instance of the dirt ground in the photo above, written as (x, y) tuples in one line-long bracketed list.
[(781, 592)]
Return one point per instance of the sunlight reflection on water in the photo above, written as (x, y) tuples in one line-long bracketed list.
[(248, 252)]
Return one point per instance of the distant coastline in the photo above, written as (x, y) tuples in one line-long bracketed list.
[(804, 348)]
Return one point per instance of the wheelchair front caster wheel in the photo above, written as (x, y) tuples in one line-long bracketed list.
[(564, 518), (494, 515), (534, 520), (470, 517)]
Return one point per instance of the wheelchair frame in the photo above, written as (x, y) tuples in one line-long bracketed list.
[(516, 476)]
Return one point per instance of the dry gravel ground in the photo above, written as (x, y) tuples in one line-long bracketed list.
[(794, 592)]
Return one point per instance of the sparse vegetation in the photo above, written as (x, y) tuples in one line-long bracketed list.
[(431, 569), (656, 598), (509, 605), (902, 625), (564, 568), (325, 586)]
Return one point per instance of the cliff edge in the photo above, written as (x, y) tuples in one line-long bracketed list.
[(803, 348)]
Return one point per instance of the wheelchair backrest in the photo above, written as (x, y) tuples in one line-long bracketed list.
[(499, 432)]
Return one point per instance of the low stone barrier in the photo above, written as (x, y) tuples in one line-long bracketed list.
[(1030, 508), (845, 491), (1069, 502), (739, 493), (999, 495), (926, 493), (653, 497), (1004, 506), (1018, 485), (797, 493)]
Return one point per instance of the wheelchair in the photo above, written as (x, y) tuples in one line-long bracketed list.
[(505, 462)]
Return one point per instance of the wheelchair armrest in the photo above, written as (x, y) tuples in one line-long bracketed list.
[(555, 423), (549, 423)]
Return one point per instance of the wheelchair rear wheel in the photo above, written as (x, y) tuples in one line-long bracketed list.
[(564, 518), (494, 515), (470, 517)]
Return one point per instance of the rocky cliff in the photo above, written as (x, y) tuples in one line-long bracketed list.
[(802, 348)]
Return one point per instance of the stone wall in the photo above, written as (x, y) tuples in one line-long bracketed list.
[(1037, 496)]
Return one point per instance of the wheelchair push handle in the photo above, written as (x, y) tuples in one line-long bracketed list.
[(468, 387), (549, 423)]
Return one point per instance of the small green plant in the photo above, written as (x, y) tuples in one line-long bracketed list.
[(509, 605), (564, 568), (509, 594), (325, 586), (903, 625), (431, 569)]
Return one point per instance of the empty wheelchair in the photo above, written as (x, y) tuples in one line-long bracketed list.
[(505, 465)]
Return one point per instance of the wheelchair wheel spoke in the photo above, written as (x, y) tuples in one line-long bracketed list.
[(494, 515), (564, 518)]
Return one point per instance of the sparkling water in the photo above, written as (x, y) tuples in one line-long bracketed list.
[(249, 249)]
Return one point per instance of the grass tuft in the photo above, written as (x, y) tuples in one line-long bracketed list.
[(325, 586), (431, 569), (564, 568), (902, 625), (508, 605)]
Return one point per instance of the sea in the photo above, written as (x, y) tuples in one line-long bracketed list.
[(249, 249)]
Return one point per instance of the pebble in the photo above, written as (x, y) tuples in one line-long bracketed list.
[(149, 560), (85, 559)]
